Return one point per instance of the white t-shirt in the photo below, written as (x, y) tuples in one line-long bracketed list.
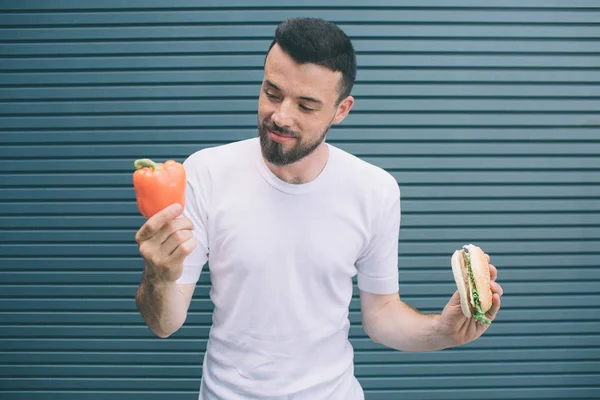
[(282, 258)]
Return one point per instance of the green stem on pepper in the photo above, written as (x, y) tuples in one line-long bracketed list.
[(145, 162)]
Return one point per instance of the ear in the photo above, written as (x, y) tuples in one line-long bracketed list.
[(343, 109)]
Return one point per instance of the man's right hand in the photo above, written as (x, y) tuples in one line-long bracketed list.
[(164, 242)]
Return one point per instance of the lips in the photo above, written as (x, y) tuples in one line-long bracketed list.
[(278, 137), (281, 134)]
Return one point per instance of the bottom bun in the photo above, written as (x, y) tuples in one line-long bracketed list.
[(460, 277)]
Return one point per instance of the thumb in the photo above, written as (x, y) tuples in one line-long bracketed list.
[(455, 299), (453, 305), (155, 223)]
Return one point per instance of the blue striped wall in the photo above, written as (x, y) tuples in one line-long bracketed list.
[(487, 113)]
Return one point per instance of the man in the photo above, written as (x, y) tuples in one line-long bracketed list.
[(285, 221)]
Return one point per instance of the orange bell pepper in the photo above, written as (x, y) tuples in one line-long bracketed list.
[(158, 185)]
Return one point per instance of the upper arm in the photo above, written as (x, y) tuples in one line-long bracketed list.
[(377, 263), (197, 211)]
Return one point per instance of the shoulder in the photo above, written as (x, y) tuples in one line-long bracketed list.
[(221, 154), (369, 179), (220, 158)]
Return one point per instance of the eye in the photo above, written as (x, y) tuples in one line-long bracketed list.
[(302, 106), (270, 95)]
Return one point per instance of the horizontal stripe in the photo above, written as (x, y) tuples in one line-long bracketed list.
[(433, 233), (503, 245), (532, 263), (112, 290), (179, 371), (419, 212), (275, 15), (439, 31), (375, 148), (15, 45), (65, 306), (252, 53), (361, 92), (148, 361), (193, 349), (130, 383), (404, 178), (372, 119), (442, 75), (362, 371), (399, 165), (55, 5), (373, 394), (249, 106), (15, 322), (153, 60), (141, 331), (340, 135), (91, 228), (427, 193), (511, 274)]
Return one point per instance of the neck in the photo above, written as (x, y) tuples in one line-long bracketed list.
[(305, 170)]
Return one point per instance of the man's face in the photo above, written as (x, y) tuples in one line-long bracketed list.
[(296, 107)]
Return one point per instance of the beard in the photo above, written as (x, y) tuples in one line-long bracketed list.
[(275, 153)]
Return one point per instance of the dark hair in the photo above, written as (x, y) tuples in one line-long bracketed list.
[(316, 41)]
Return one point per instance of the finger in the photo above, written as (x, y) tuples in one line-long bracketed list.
[(497, 289), (157, 221), (487, 257), (493, 272), (171, 227), (174, 240), (455, 299), (183, 250), (495, 307)]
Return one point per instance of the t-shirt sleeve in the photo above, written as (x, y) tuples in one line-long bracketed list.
[(196, 209), (378, 264)]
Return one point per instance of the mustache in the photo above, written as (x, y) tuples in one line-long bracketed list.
[(272, 126)]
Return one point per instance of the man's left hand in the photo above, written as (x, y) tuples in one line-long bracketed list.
[(462, 329)]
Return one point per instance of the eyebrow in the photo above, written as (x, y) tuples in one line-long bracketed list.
[(311, 99)]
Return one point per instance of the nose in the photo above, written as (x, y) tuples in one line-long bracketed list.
[(282, 115)]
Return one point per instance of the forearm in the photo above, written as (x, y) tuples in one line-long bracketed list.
[(399, 326), (161, 305)]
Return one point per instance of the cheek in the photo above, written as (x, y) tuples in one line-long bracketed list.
[(264, 108)]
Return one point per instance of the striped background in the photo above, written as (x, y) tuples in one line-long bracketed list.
[(487, 113)]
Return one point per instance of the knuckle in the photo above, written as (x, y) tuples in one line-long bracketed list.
[(150, 226), (180, 236), (144, 250), (141, 234), (156, 260), (183, 223), (188, 246), (168, 227)]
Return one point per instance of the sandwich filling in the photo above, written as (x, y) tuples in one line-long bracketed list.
[(479, 315)]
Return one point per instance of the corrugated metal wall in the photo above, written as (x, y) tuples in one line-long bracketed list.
[(486, 112)]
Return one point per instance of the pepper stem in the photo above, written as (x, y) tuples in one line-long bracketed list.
[(145, 162)]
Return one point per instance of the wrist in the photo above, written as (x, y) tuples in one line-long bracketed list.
[(151, 277), (445, 335)]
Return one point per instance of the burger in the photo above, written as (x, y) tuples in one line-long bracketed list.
[(471, 272)]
